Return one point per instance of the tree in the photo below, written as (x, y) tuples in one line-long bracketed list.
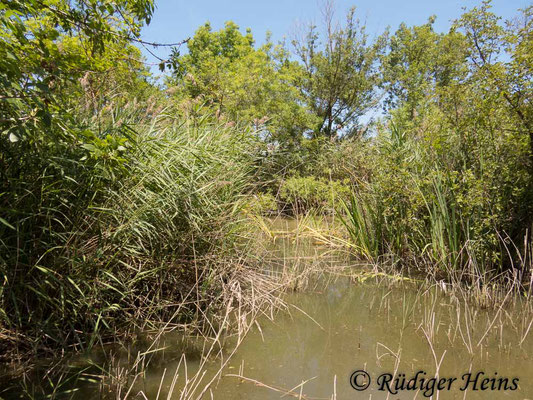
[(339, 74), (47, 47), (54, 56), (417, 62), (241, 83), (509, 76), (463, 100)]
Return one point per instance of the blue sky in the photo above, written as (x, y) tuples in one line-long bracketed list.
[(175, 20)]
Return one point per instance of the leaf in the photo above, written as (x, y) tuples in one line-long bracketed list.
[(88, 146), (3, 221)]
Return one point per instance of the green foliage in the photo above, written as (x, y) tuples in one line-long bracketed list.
[(100, 223), (54, 164), (46, 47), (241, 83), (364, 224), (261, 204), (119, 242), (508, 83), (339, 75), (57, 154), (182, 194), (417, 63), (304, 194), (451, 168), (112, 188)]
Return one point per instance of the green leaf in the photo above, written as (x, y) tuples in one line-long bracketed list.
[(90, 147), (3, 221)]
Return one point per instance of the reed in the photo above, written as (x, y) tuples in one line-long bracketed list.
[(93, 249)]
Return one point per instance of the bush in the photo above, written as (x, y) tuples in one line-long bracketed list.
[(428, 201), (262, 204), (304, 194)]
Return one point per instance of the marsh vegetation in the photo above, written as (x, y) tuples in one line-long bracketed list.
[(153, 232)]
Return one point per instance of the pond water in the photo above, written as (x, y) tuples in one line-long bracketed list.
[(341, 324)]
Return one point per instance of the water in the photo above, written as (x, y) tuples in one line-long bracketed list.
[(364, 326), (340, 324), (360, 330)]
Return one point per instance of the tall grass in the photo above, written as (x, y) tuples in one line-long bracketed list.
[(95, 247), (364, 226), (428, 210), (184, 193), (448, 235)]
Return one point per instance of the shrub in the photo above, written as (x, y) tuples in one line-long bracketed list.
[(261, 204), (303, 194)]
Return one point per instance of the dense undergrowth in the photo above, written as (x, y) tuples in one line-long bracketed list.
[(424, 206), (103, 253)]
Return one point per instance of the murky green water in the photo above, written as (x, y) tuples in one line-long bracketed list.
[(361, 326), (340, 325)]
